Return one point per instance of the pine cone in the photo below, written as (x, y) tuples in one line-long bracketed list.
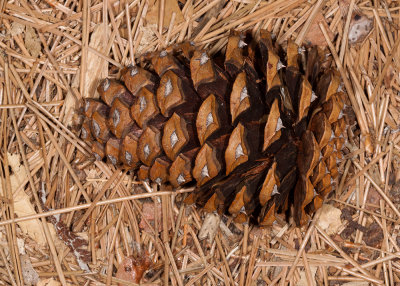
[(259, 132)]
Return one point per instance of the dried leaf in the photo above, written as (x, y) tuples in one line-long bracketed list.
[(132, 268), (31, 277), (373, 236), (330, 219), (17, 28), (303, 279), (360, 27), (226, 231), (148, 36), (210, 227), (314, 35), (22, 203), (210, 14), (171, 6), (388, 79), (150, 213), (76, 244), (32, 42), (360, 24), (96, 69), (373, 200), (21, 246)]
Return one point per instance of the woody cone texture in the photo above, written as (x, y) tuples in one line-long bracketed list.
[(258, 130)]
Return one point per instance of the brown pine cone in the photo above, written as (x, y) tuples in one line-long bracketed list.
[(259, 132)]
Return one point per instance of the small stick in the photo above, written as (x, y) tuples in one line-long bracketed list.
[(100, 203), (138, 18), (294, 27), (364, 210), (182, 32), (380, 191), (264, 12), (65, 160), (280, 276), (367, 167), (293, 253), (385, 243), (110, 265), (200, 250), (288, 263), (303, 245), (72, 17), (105, 229), (165, 236), (205, 29), (177, 227), (7, 192), (161, 12), (93, 50), (198, 276), (205, 9), (55, 63), (364, 277), (34, 191), (343, 179), (3, 256), (114, 237), (362, 98), (92, 232), (397, 254), (84, 48), (30, 101), (128, 24), (59, 6), (137, 42), (244, 252), (382, 75), (327, 238), (309, 277), (7, 189), (172, 261), (222, 253), (99, 195), (171, 25), (252, 260), (115, 27), (74, 141), (345, 36), (389, 165), (134, 29), (381, 29), (45, 159), (55, 103)]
